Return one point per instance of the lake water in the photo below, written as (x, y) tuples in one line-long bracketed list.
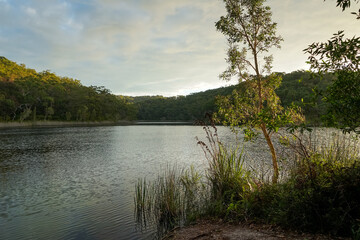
[(78, 183)]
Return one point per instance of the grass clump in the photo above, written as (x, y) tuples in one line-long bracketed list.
[(320, 193), (178, 196), (228, 180), (170, 199)]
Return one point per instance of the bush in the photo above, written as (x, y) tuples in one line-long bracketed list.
[(320, 195)]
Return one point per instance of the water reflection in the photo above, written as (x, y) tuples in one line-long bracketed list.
[(78, 183)]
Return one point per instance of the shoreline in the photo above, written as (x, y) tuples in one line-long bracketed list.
[(6, 125), (220, 229)]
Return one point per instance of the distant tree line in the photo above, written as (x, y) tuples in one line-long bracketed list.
[(28, 95), (304, 89), (181, 108), (297, 88)]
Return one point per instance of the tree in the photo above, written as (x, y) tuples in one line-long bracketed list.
[(339, 56), (26, 94), (255, 105)]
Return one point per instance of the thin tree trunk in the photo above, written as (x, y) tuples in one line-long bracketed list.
[(263, 127), (273, 154)]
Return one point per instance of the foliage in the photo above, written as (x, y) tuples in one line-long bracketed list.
[(346, 4), (336, 54), (321, 194), (241, 109), (28, 95), (21, 88), (249, 29), (340, 57), (296, 87), (299, 88), (181, 108), (343, 97)]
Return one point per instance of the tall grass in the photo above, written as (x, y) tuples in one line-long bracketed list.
[(320, 193), (179, 196), (143, 202), (176, 196), (228, 179)]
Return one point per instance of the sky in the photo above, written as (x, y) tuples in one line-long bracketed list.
[(152, 47)]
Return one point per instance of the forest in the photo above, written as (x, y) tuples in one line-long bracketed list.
[(27, 95), (296, 88)]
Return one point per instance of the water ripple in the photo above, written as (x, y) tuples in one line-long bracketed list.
[(78, 183)]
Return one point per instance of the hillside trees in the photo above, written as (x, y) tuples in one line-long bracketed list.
[(28, 95), (181, 108), (251, 34), (296, 87)]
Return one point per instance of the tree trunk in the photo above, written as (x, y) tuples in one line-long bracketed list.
[(273, 154)]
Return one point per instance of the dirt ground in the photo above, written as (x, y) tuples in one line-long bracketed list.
[(224, 231)]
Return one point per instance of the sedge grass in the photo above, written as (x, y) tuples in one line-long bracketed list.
[(320, 192), (179, 196)]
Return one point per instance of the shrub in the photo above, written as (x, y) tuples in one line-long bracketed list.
[(321, 194)]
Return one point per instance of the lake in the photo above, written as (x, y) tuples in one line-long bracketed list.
[(78, 182)]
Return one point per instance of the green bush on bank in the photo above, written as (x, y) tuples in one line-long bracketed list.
[(321, 193), (320, 196)]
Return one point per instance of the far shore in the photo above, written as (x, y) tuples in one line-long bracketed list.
[(61, 124), (27, 124)]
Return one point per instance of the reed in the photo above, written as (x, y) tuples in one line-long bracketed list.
[(320, 192), (171, 199), (179, 196)]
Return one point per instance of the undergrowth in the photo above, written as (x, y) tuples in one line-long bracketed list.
[(321, 193)]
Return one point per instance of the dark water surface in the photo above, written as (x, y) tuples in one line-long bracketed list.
[(78, 183)]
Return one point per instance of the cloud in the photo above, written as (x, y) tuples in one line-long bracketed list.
[(30, 11), (303, 22), (149, 46)]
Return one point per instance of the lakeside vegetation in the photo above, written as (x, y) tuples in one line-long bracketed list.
[(319, 193), (26, 95), (320, 189)]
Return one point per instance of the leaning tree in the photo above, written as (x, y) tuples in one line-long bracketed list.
[(254, 105)]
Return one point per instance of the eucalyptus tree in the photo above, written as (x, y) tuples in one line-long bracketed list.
[(251, 33)]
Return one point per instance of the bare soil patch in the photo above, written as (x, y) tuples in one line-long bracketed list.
[(225, 231)]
